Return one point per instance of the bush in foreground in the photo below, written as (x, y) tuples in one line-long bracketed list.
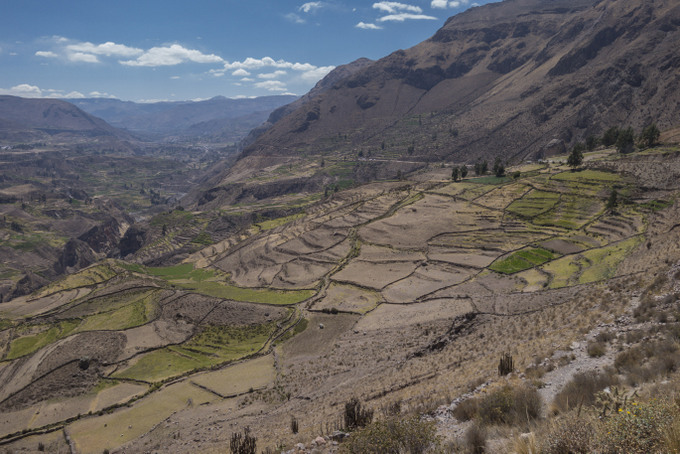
[(394, 435)]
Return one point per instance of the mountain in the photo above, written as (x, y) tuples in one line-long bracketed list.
[(218, 118), (323, 85), (503, 80), (24, 119)]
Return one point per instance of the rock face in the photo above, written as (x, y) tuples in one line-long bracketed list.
[(27, 284), (500, 79), (77, 254)]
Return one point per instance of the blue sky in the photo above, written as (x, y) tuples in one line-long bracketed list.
[(145, 50)]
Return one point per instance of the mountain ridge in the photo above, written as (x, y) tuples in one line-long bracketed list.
[(507, 76)]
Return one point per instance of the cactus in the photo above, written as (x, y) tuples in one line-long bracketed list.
[(506, 364)]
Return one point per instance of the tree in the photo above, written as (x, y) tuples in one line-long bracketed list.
[(463, 171), (613, 201), (478, 168), (454, 174), (575, 158), (610, 136), (625, 142), (649, 136), (592, 142), (498, 168), (485, 167)]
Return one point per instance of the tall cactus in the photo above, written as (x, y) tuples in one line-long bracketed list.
[(506, 364)]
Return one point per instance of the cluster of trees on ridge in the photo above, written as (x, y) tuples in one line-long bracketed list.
[(622, 138)]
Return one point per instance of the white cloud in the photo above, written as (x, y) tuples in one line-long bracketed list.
[(272, 85), (317, 74), (72, 95), (294, 18), (109, 49), (23, 90), (310, 7), (443, 4), (175, 77), (401, 17), (171, 55), (82, 57), (394, 7), (98, 94), (267, 62), (33, 91), (274, 75), (366, 26), (46, 54), (247, 79), (240, 73)]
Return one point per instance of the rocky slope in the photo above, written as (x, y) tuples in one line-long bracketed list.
[(503, 80)]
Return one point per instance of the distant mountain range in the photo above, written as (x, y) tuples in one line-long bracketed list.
[(216, 119), (23, 119), (503, 79)]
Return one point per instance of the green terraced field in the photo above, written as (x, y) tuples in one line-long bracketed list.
[(135, 313), (522, 260), (214, 345), (534, 203), (572, 212), (273, 223), (28, 344)]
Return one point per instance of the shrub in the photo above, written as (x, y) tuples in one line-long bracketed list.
[(569, 436), (355, 416), (510, 405), (294, 426), (475, 439), (581, 389), (637, 429), (467, 409), (394, 435), (596, 349)]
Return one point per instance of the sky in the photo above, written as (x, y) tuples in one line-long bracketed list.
[(160, 50)]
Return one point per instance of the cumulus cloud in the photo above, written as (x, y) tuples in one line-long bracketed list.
[(317, 74), (46, 54), (272, 85), (443, 4), (273, 75), (82, 57), (395, 7), (401, 17), (240, 73), (99, 94), (267, 62), (33, 91), (310, 7), (366, 26), (23, 90), (171, 55), (109, 49)]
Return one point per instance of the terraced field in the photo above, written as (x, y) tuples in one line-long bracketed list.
[(237, 325)]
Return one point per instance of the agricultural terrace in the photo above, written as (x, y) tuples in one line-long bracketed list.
[(226, 327)]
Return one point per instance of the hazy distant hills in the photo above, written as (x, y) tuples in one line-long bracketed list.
[(216, 119), (23, 119), (502, 79)]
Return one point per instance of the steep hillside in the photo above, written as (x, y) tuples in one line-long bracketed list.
[(31, 119), (503, 80)]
